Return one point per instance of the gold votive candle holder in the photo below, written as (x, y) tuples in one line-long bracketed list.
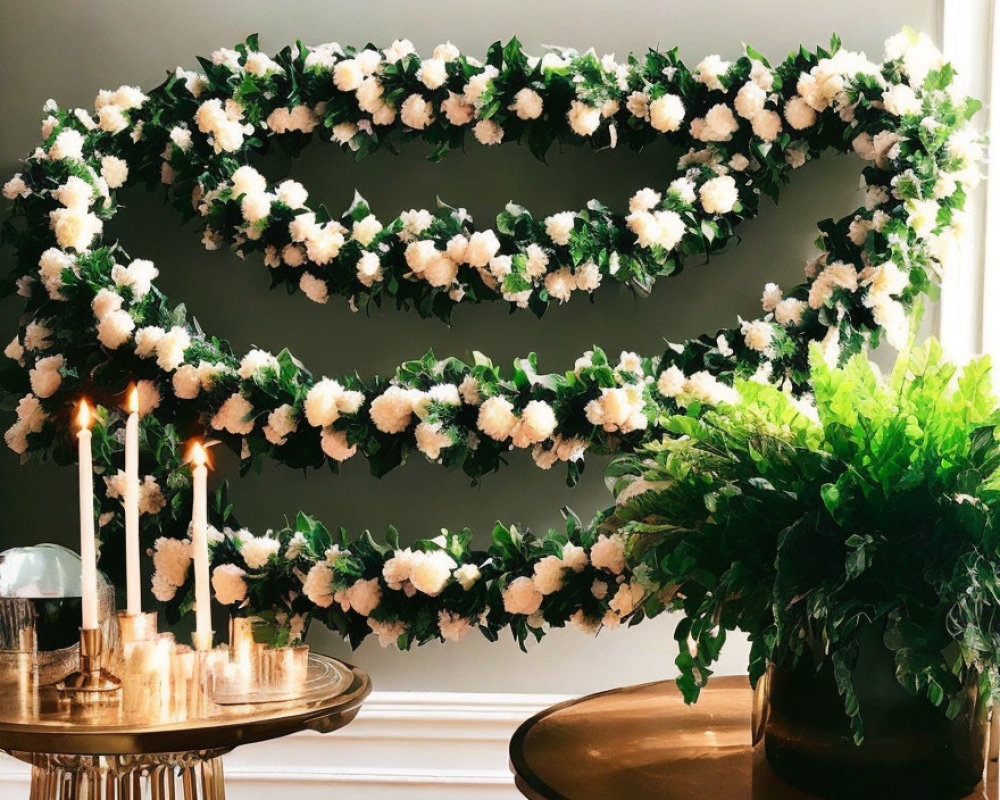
[(291, 665), (92, 684), (137, 627)]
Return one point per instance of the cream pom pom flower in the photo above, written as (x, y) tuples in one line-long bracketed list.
[(584, 119), (75, 227), (369, 269), (138, 276), (709, 72), (365, 230), (363, 596), (335, 445), (431, 572), (44, 377), (171, 347), (618, 408), (771, 297), (314, 288), (186, 382), (416, 112), (789, 311), (171, 562), (466, 576), (257, 550), (496, 418), (718, 125), (749, 100), (527, 104), (521, 597), (67, 145), (453, 627), (281, 423), (719, 195), (104, 302), (483, 246), (228, 584), (256, 206), (644, 200), (766, 125), (548, 575), (758, 335), (36, 336), (431, 439), (666, 113), (256, 363), (387, 633), (537, 423), (392, 411), (112, 119), (75, 193), (348, 75), (292, 193), (432, 73), (115, 329), (146, 339), (318, 585), (560, 284), (558, 227), (235, 416), (799, 113), (488, 132), (16, 187), (327, 400), (457, 111), (608, 553), (15, 351)]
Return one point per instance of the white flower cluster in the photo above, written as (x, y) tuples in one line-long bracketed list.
[(151, 499), (171, 562), (861, 284)]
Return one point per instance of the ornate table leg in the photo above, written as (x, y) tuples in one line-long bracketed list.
[(155, 776)]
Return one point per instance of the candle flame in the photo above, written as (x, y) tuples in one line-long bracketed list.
[(84, 416), (197, 454), (133, 400)]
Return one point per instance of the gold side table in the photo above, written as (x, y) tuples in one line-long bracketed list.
[(643, 742), (135, 751)]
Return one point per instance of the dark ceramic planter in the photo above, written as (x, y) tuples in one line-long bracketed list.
[(911, 749)]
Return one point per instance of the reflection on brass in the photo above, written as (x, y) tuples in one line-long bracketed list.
[(644, 742), (92, 684), (166, 743), (761, 704), (335, 693)]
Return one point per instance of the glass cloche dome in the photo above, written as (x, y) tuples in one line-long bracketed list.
[(40, 607)]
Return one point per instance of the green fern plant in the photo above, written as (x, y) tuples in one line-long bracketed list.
[(805, 525)]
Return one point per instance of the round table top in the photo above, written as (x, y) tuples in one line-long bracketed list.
[(645, 742), (332, 698)]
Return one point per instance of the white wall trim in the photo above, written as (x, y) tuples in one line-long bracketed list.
[(412, 745), (966, 320)]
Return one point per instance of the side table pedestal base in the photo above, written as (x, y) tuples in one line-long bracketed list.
[(156, 776)]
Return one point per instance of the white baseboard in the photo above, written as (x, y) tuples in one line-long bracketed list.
[(402, 746)]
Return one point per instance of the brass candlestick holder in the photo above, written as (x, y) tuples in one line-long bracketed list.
[(92, 684)]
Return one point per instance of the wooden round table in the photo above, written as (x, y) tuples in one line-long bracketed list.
[(136, 750), (644, 742)]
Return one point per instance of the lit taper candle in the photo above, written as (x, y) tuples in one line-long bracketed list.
[(133, 580), (88, 544), (199, 545)]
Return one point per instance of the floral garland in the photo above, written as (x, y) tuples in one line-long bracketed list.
[(95, 320)]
